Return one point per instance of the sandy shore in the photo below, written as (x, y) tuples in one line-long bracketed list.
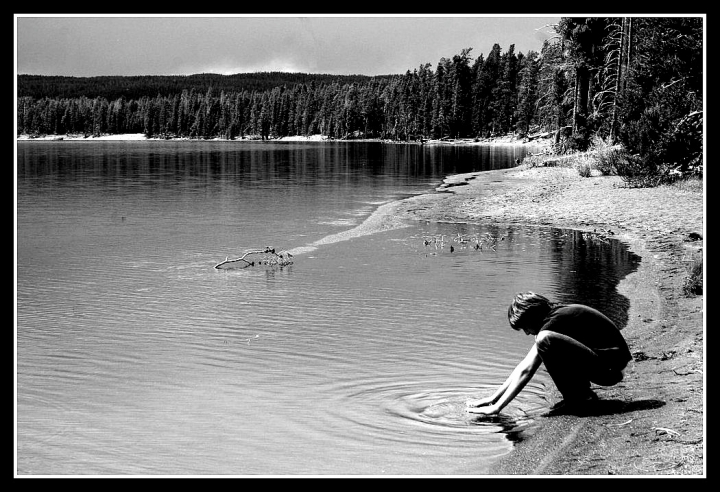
[(653, 422), (79, 137)]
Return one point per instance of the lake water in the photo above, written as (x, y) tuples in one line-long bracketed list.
[(134, 356)]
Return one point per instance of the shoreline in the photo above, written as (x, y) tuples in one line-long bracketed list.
[(139, 137), (654, 421)]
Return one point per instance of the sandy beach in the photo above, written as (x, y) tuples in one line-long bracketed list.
[(653, 423)]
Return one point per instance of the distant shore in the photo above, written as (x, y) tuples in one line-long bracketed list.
[(503, 140)]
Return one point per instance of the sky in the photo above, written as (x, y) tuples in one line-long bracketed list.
[(86, 46)]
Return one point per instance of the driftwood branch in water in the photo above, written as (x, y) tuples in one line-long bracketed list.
[(281, 258)]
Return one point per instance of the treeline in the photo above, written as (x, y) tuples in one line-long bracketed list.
[(138, 86), (634, 81), (423, 103)]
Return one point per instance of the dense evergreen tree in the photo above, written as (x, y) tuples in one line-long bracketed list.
[(527, 92), (487, 74)]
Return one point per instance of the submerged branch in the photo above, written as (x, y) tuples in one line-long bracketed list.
[(269, 257)]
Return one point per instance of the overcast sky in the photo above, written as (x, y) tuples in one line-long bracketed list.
[(167, 45)]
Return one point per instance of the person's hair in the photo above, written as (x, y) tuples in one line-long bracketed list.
[(528, 309)]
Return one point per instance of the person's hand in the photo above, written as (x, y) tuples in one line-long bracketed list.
[(484, 410), (479, 402)]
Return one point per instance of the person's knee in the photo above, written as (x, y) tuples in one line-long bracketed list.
[(544, 339)]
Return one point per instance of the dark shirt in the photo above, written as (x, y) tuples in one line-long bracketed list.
[(591, 328)]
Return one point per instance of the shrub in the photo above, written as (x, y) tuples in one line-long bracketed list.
[(607, 157), (584, 169), (639, 173), (693, 283), (607, 161), (532, 160)]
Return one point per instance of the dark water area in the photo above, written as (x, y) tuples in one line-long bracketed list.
[(136, 357)]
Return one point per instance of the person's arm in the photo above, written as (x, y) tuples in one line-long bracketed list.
[(520, 376)]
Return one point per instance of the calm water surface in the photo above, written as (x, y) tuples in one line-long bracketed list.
[(136, 357)]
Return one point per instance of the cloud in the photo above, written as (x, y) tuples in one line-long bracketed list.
[(141, 45)]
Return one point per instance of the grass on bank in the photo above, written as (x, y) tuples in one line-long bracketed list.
[(603, 159)]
